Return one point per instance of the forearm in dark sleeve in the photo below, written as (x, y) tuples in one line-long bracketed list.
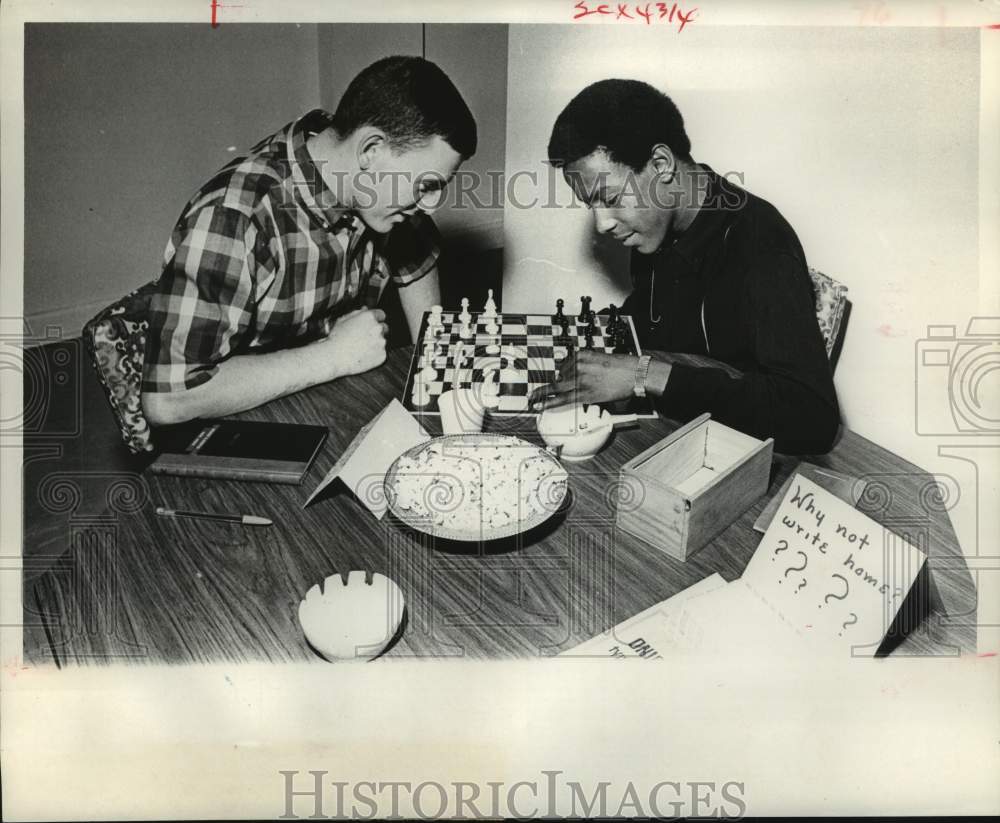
[(789, 395)]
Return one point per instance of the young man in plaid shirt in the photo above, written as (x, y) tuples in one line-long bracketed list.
[(273, 273)]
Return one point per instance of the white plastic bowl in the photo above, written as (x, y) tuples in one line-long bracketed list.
[(581, 431)]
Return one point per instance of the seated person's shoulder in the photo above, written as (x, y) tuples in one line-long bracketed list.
[(245, 185), (762, 231)]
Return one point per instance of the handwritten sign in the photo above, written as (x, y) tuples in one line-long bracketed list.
[(829, 573), (647, 13)]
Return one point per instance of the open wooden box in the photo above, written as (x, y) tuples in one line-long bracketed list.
[(680, 493)]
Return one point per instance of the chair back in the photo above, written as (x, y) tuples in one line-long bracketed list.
[(832, 311), (116, 341)]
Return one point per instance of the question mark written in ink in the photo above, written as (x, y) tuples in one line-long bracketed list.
[(805, 562), (782, 546), (832, 596), (848, 623)]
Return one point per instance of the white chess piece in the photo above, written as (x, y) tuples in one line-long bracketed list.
[(421, 394), (465, 317), (434, 320), (490, 309), (427, 370), (465, 332)]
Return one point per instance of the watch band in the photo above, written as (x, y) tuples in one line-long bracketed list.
[(641, 373)]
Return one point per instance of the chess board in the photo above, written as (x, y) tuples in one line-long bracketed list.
[(526, 360)]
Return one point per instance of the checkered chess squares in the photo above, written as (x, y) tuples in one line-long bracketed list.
[(524, 352)]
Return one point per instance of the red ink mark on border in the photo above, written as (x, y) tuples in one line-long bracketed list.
[(216, 5), (989, 654), (992, 26)]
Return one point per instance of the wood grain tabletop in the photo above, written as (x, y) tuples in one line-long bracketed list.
[(135, 587)]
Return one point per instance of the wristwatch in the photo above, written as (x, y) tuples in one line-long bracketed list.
[(641, 373)]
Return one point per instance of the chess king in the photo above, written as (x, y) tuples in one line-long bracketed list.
[(716, 271), (272, 276)]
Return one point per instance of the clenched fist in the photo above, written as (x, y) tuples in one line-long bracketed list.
[(356, 343)]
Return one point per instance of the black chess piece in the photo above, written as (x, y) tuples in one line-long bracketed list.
[(613, 319), (620, 336), (559, 311), (584, 308), (588, 337)]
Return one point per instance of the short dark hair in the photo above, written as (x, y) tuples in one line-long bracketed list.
[(411, 100), (626, 118)]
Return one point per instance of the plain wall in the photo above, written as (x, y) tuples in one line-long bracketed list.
[(123, 123), (472, 220), (866, 139)]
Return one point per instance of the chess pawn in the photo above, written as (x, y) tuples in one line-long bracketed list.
[(490, 309), (465, 317), (421, 395), (465, 332)]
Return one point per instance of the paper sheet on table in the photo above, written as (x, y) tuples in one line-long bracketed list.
[(651, 633), (364, 463), (735, 622), (844, 486), (833, 576)]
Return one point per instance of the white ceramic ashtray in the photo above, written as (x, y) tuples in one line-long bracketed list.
[(355, 620), (579, 431)]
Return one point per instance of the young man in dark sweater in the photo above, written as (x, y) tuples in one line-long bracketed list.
[(716, 271)]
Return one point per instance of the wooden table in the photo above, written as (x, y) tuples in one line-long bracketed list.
[(136, 587)]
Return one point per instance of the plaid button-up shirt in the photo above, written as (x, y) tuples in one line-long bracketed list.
[(263, 258)]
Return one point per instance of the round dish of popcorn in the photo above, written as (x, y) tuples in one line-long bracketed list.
[(475, 486)]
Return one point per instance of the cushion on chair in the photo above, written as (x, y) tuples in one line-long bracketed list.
[(116, 340), (831, 298)]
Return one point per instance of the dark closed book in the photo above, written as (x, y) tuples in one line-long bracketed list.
[(240, 450)]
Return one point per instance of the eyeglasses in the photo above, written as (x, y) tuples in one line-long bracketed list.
[(430, 192)]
